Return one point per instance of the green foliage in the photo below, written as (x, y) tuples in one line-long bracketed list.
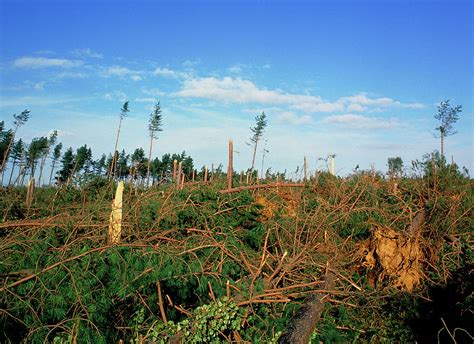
[(447, 115), (395, 166), (155, 122), (210, 323)]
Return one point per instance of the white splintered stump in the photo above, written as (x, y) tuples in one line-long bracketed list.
[(332, 166), (115, 225), (30, 191)]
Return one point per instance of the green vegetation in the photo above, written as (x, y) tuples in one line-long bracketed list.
[(200, 266)]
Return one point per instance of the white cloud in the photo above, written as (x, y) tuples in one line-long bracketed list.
[(121, 72), (154, 92), (116, 95), (145, 100), (361, 102), (43, 62), (87, 52), (241, 91), (236, 69), (356, 107), (292, 118), (39, 86), (169, 73), (117, 71), (72, 75), (165, 72), (29, 101), (361, 122)]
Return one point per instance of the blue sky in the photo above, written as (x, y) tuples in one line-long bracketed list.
[(359, 79)]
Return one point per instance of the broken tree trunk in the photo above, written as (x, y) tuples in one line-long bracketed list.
[(30, 191), (303, 323), (115, 225)]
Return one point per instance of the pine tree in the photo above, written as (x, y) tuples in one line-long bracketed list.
[(260, 125), (67, 165), (51, 142), (448, 116), (35, 150), (123, 113), (17, 154), (154, 127), (56, 156), (20, 119)]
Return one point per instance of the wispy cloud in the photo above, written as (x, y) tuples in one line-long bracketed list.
[(30, 101), (121, 72), (115, 95), (361, 102), (29, 62), (86, 53), (145, 100), (154, 92), (242, 91), (291, 118), (170, 73), (361, 122)]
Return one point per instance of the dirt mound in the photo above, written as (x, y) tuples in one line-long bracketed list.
[(268, 207), (395, 255)]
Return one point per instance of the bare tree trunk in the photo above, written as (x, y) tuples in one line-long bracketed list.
[(52, 170), (442, 145), (43, 161), (5, 155), (253, 160), (112, 167), (11, 173), (149, 162)]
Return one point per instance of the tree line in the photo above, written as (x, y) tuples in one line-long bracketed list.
[(30, 159)]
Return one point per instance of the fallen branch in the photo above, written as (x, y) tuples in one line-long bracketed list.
[(261, 186)]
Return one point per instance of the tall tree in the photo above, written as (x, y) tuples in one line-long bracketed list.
[(123, 113), (154, 126), (56, 156), (51, 142), (260, 125), (17, 155), (448, 116), (138, 159), (395, 166), (67, 165), (83, 160), (6, 137), (101, 165), (20, 119), (35, 151)]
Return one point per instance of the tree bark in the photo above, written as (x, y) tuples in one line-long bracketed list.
[(112, 167), (303, 323), (11, 173), (149, 162), (442, 144)]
